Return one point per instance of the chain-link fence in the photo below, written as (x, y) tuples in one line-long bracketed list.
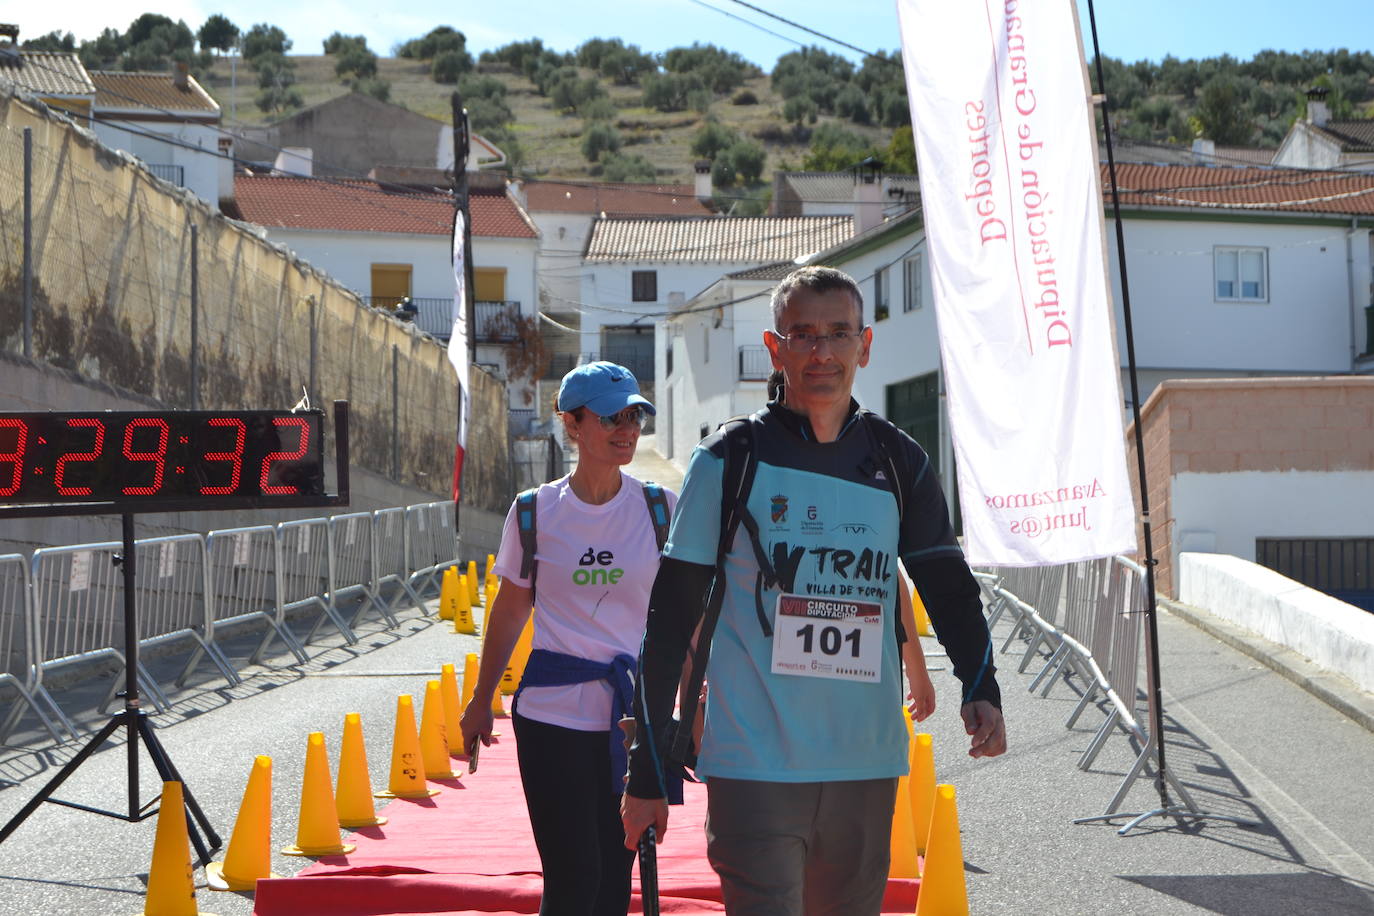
[(142, 286)]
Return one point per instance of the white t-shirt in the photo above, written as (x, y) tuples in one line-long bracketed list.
[(596, 567)]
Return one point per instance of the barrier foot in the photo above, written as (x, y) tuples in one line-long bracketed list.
[(1185, 809)]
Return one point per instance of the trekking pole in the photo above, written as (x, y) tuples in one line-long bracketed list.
[(648, 872)]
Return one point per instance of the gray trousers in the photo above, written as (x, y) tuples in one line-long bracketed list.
[(800, 849)]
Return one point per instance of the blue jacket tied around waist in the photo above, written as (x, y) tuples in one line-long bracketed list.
[(555, 669)]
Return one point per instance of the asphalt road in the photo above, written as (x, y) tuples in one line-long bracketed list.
[(1245, 741)]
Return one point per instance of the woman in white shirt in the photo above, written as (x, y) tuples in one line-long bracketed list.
[(595, 560)]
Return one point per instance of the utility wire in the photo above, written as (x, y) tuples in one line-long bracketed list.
[(822, 35)]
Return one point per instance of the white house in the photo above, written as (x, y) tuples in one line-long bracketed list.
[(169, 122), (388, 243), (564, 211), (636, 269), (1319, 142), (1233, 273)]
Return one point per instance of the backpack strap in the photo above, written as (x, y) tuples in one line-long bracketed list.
[(658, 512), (525, 505), (737, 479)]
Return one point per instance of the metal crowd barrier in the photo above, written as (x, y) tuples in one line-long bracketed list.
[(352, 567), (65, 605), (78, 603), (1098, 641), (429, 532), (243, 580), (19, 652), (389, 565), (303, 574)]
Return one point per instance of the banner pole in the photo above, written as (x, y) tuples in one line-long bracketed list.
[(1155, 739)]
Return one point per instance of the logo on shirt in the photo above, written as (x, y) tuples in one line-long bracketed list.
[(779, 509), (593, 569)]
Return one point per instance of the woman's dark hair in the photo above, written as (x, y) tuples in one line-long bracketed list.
[(774, 384)]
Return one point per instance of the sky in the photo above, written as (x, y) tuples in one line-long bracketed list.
[(1128, 30)]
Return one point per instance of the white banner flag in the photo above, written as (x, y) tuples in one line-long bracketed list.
[(458, 347), (1007, 151)]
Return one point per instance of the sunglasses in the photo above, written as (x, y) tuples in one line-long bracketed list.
[(630, 416)]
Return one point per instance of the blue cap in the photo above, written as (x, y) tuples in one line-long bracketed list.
[(603, 388)]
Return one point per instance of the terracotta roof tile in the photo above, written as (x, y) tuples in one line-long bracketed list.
[(1287, 190), (47, 73), (365, 206), (142, 91), (614, 198)]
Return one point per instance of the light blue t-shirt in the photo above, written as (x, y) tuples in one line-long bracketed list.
[(829, 523)]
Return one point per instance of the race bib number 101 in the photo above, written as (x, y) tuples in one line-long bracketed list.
[(828, 638)]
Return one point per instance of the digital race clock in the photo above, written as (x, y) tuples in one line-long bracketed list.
[(197, 458)]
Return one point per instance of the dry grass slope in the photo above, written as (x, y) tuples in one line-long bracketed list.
[(551, 140)]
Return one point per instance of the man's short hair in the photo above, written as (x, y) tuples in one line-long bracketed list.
[(815, 280)]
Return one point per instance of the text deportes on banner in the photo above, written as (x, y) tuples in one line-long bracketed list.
[(1013, 212)]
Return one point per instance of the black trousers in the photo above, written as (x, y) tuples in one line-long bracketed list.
[(576, 819)]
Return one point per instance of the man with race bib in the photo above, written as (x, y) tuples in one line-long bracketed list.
[(804, 738)]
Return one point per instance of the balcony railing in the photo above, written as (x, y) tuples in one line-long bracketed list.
[(637, 361), (176, 174), (754, 364), (434, 316)]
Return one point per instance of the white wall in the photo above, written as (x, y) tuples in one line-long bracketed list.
[(1335, 635), (562, 238), (201, 175), (609, 285), (1305, 327), (349, 256), (1224, 513), (705, 389)]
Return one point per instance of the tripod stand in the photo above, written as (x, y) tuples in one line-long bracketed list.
[(134, 720)]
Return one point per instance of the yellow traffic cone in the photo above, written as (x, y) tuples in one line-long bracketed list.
[(489, 580), (520, 655), (918, 607), (353, 797), (249, 856), (462, 611), (943, 892), (903, 843), (171, 890), (473, 584), (470, 665), (447, 584), (453, 712), (433, 743), (497, 709), (317, 829), (407, 779), (922, 789)]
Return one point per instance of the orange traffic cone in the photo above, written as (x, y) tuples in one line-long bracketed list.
[(453, 712), (903, 844), (922, 788), (317, 829), (943, 892), (433, 744), (407, 778), (353, 797), (249, 856), (171, 891)]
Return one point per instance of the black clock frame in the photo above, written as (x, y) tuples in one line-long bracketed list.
[(133, 718)]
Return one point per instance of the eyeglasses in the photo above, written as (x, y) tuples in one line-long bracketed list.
[(805, 342), (630, 416)]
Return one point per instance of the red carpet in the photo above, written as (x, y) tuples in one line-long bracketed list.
[(468, 852)]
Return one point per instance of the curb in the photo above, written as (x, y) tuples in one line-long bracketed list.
[(1336, 691)]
